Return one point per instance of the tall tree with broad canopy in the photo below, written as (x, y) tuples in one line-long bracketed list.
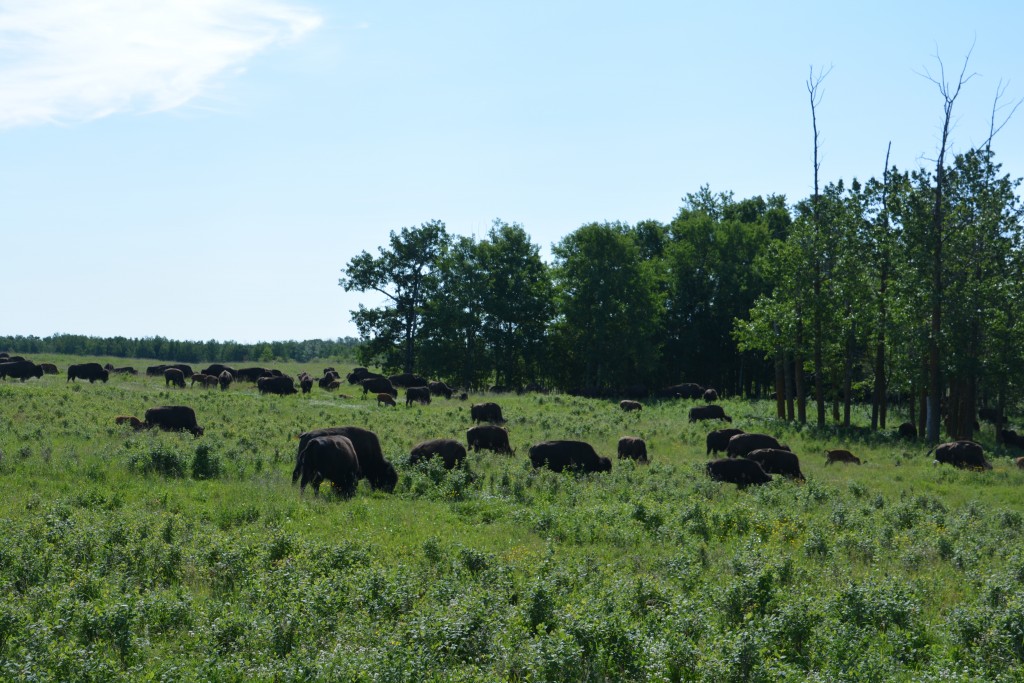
[(406, 274), (608, 328)]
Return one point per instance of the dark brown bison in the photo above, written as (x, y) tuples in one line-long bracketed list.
[(417, 394), (20, 369), (777, 461), (840, 455), (216, 368), (718, 440), (333, 458), (174, 376), (131, 420), (1019, 462), (708, 413), (486, 412), (89, 371), (739, 471), (710, 395), (373, 466), (630, 406), (408, 379), (741, 444), (907, 430), (198, 377), (126, 370), (451, 451), (282, 386), (574, 455), (685, 390), (1011, 438), (49, 368), (155, 370), (250, 374), (386, 399), (965, 455), (359, 374), (440, 389), (634, 448), (225, 378), (173, 419), (378, 385), (306, 384), (489, 437)]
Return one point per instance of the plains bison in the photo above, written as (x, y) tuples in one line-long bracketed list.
[(378, 385), (386, 399), (216, 368), (173, 419), (777, 461), (708, 413), (408, 379), (174, 376), (440, 389), (20, 369), (710, 395), (490, 437), (373, 466), (840, 455), (282, 386), (965, 455), (130, 420), (630, 406), (417, 394), (718, 440), (486, 412), (451, 451), (907, 430), (89, 371), (49, 368), (333, 458), (739, 471), (225, 378), (562, 455), (741, 444), (634, 448)]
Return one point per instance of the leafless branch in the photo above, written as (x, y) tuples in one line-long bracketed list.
[(992, 127)]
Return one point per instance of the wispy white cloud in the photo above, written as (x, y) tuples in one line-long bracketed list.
[(77, 60)]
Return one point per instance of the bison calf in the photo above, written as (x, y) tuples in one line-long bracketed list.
[(451, 451), (630, 406), (840, 455), (634, 448)]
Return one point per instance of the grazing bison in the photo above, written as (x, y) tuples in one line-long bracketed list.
[(718, 440), (562, 455), (490, 437), (408, 379), (777, 461), (378, 385), (328, 380), (225, 378), (710, 395), (907, 431), (89, 371), (634, 448), (414, 394), (174, 376), (282, 386), (630, 406), (49, 368), (741, 444), (739, 471), (130, 420), (1011, 438), (386, 399), (685, 390), (20, 369), (216, 368), (306, 384), (451, 451), (250, 374), (358, 375), (840, 455), (198, 377), (333, 458), (486, 412), (173, 419), (965, 455), (1019, 462), (463, 396), (126, 370), (373, 466), (708, 413), (440, 389)]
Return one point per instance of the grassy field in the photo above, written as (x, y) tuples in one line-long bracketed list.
[(154, 556)]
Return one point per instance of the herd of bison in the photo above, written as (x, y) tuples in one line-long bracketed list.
[(344, 455)]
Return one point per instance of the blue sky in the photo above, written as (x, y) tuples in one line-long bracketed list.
[(203, 169)]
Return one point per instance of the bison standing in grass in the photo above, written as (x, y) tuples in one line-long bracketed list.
[(562, 455), (173, 419), (777, 461), (486, 412), (20, 369), (630, 406), (711, 412), (489, 437), (634, 448), (961, 454), (174, 376), (741, 444), (373, 466), (739, 471), (91, 372), (840, 455), (718, 440), (451, 451), (417, 394), (333, 458)]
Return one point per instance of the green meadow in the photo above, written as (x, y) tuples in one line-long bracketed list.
[(154, 556)]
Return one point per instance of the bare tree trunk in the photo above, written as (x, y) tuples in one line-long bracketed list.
[(798, 374), (881, 390), (789, 386), (848, 376), (813, 83), (780, 384)]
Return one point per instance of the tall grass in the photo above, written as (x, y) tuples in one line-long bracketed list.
[(156, 556)]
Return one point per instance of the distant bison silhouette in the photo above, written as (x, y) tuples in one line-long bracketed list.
[(486, 412), (173, 419), (961, 454), (451, 451), (417, 394), (89, 371), (739, 471), (630, 406), (559, 456), (741, 444), (634, 448), (708, 413), (777, 461), (488, 437)]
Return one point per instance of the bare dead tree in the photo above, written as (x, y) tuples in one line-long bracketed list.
[(814, 92), (949, 94), (879, 404)]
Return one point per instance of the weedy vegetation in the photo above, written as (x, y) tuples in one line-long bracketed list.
[(133, 556)]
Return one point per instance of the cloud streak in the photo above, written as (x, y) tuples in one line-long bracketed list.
[(67, 61)]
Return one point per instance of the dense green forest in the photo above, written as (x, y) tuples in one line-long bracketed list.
[(160, 348), (901, 288)]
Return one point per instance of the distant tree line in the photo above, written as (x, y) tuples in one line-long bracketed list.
[(161, 348), (908, 287)]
